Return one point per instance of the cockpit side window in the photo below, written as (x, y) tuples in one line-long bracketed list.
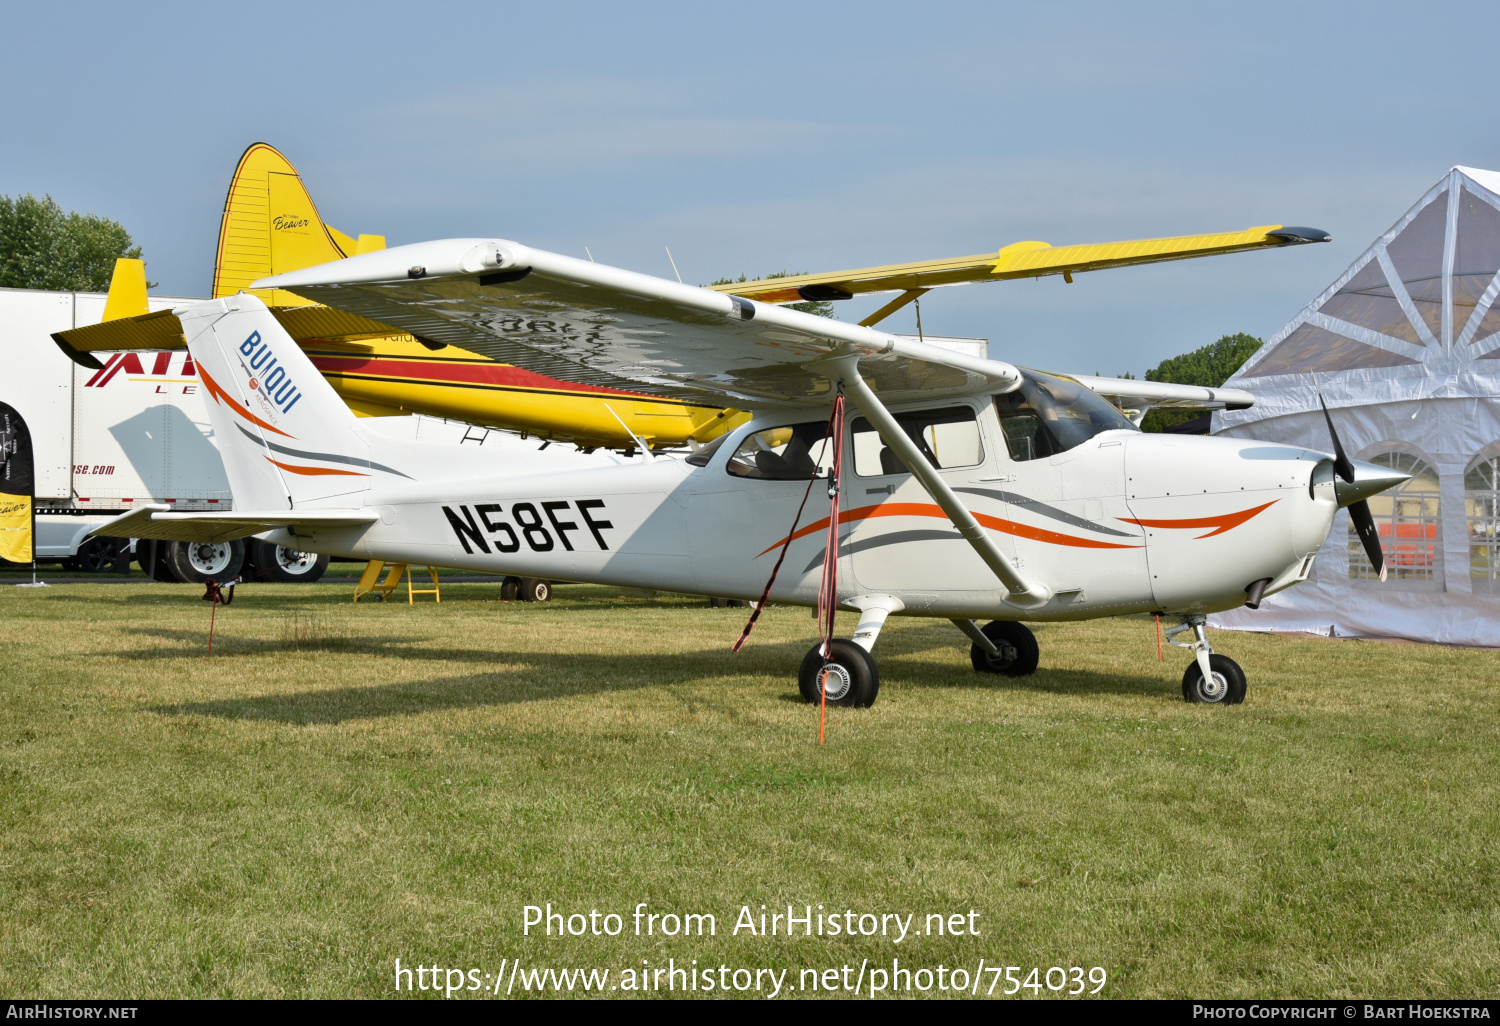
[(793, 453), (1048, 415), (948, 438)]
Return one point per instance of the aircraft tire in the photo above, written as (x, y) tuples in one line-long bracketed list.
[(267, 562), (855, 679), (1019, 653), (199, 562), (534, 589), (725, 603), (510, 589), (1229, 682)]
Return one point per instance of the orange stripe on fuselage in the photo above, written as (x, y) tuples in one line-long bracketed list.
[(923, 509), (1223, 522), (315, 471), (228, 400)]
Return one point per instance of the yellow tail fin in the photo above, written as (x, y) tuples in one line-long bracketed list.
[(127, 290), (271, 226)]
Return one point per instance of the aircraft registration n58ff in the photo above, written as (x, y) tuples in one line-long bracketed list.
[(969, 489)]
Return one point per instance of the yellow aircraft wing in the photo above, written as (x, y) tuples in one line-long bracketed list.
[(1018, 260)]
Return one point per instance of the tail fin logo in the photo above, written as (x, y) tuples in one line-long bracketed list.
[(266, 375)]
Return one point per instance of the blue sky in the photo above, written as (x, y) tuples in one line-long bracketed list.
[(752, 138)]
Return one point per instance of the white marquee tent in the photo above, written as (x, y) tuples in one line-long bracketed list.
[(1406, 347)]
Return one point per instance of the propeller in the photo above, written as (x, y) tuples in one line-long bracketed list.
[(1359, 512)]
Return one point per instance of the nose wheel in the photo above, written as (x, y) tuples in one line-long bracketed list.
[(1210, 678), (1226, 686)]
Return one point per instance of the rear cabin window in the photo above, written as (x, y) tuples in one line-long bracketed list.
[(792, 453), (1048, 415), (948, 438), (703, 455)]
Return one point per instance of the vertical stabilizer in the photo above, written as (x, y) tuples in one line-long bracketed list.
[(127, 290), (286, 437), (272, 226)]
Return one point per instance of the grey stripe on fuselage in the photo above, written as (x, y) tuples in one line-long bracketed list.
[(1042, 509), (326, 457), (894, 538)]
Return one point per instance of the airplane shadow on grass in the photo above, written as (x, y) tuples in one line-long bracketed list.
[(540, 676)]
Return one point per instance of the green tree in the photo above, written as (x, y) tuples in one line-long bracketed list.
[(1210, 367), (43, 248), (817, 309)]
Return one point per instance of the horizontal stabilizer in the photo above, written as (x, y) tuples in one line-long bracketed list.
[(162, 523), (162, 330)]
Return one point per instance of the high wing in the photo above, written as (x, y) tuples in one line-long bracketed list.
[(1137, 398), (600, 325), (161, 523), (1018, 260)]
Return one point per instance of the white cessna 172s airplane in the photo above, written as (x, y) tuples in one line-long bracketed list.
[(969, 488)]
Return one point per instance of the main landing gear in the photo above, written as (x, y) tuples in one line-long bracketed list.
[(1210, 678), (848, 674)]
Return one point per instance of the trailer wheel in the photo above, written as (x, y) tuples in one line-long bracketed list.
[(199, 562), (534, 589), (278, 563)]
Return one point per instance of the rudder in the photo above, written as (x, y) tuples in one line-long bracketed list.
[(271, 226), (285, 436)]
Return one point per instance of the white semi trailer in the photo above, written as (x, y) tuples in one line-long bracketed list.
[(106, 440)]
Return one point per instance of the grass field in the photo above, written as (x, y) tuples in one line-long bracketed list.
[(340, 786)]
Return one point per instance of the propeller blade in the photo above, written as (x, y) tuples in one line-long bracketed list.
[(1341, 465), (1369, 537)]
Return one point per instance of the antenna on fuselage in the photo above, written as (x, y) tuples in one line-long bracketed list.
[(674, 264), (645, 449)]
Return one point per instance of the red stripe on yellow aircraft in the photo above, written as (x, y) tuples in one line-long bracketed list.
[(1223, 522), (447, 372), (921, 509)]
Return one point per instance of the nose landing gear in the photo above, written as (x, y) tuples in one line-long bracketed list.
[(1210, 678)]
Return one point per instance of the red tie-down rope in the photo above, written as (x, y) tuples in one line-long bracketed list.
[(217, 595), (828, 587), (835, 433)]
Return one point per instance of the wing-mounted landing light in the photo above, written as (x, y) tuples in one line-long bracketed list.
[(1357, 481)]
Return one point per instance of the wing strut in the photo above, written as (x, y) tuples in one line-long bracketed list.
[(845, 371), (894, 305)]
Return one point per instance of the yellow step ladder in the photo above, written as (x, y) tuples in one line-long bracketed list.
[(369, 583)]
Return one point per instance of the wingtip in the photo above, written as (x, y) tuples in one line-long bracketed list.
[(1294, 235)]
